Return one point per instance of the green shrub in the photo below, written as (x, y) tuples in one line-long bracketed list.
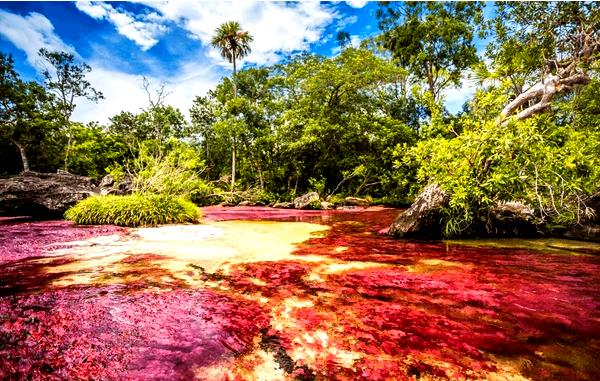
[(206, 194), (336, 199), (315, 205), (548, 166), (133, 210), (258, 196), (174, 171)]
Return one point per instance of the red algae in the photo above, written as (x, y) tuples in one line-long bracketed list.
[(112, 333), (374, 308), (26, 240)]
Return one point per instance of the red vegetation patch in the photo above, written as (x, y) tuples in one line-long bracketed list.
[(220, 213), (430, 311), (109, 333), (463, 306), (270, 279), (26, 240)]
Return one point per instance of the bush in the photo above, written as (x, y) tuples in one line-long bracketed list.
[(172, 172), (336, 199), (133, 210), (206, 194), (548, 166)]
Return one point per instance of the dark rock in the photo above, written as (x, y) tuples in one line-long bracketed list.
[(584, 233), (356, 201), (108, 185), (303, 202), (422, 219), (284, 205), (43, 194), (511, 219)]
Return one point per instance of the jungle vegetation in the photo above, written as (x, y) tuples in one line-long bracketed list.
[(370, 121)]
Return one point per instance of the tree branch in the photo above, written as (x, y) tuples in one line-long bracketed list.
[(551, 86)]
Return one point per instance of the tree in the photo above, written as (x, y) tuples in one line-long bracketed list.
[(95, 149), (340, 100), (343, 39), (233, 44), (67, 83), (25, 115), (433, 40), (557, 44), (9, 84), (158, 122), (205, 112)]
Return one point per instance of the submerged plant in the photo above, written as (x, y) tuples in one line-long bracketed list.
[(133, 210)]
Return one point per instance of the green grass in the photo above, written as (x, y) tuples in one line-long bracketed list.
[(133, 210)]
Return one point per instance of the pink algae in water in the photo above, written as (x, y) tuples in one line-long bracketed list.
[(400, 310), (28, 239)]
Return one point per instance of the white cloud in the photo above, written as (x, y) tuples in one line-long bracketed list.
[(31, 33), (356, 4), (97, 10), (346, 21), (278, 28), (124, 92), (455, 97), (142, 29)]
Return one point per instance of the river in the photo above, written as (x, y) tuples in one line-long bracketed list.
[(266, 294)]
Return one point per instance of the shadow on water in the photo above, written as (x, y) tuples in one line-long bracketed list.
[(29, 275)]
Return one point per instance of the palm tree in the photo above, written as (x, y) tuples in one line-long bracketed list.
[(233, 44)]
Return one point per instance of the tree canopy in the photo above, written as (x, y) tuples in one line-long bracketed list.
[(369, 121)]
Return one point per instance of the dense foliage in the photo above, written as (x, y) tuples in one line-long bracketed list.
[(369, 121), (133, 210)]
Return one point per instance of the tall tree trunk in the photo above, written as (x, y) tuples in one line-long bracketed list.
[(23, 155), (233, 140), (260, 176), (67, 153), (232, 164), (233, 79), (69, 138)]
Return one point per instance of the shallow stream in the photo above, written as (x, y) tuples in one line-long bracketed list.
[(266, 294)]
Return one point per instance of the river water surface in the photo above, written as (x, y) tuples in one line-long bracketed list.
[(267, 294)]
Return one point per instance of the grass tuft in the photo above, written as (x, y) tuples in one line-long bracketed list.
[(133, 210)]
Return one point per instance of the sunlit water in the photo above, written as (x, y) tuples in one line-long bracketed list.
[(264, 294)]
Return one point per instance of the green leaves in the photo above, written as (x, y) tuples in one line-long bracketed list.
[(545, 165), (432, 40), (133, 210), (232, 42)]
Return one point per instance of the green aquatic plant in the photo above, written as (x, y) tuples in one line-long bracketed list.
[(133, 210)]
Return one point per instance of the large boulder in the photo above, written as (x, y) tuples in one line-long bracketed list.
[(108, 185), (356, 201), (510, 219), (303, 202), (584, 233), (43, 194), (422, 219), (284, 205)]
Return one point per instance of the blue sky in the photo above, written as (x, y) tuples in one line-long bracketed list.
[(169, 42)]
